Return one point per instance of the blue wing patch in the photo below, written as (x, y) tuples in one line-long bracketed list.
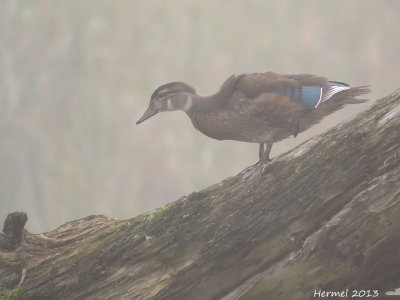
[(311, 96), (307, 96)]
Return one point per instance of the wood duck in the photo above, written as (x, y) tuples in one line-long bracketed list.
[(258, 108)]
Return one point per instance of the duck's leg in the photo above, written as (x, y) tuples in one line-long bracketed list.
[(261, 151), (265, 157)]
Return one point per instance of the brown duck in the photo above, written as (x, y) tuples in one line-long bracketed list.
[(258, 108)]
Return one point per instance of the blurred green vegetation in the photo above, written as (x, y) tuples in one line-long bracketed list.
[(76, 75)]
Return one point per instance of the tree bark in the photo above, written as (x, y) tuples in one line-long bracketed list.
[(324, 217)]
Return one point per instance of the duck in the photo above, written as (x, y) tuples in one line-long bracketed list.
[(261, 108)]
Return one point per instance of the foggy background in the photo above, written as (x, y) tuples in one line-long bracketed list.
[(76, 75)]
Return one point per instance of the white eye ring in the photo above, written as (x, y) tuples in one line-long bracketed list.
[(169, 104)]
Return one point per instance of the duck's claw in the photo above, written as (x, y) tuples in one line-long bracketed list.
[(264, 164)]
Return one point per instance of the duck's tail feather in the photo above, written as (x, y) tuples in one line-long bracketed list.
[(345, 94)]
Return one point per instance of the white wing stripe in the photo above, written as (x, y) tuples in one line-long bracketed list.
[(320, 97)]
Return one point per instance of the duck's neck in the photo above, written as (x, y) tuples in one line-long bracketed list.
[(188, 103), (185, 102)]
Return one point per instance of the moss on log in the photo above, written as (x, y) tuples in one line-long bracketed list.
[(324, 216)]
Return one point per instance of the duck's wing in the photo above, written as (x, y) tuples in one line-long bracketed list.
[(274, 110), (264, 96), (281, 98), (255, 84)]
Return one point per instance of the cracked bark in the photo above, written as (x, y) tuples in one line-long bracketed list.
[(325, 215)]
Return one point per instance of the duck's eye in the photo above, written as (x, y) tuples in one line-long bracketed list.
[(160, 96), (163, 97)]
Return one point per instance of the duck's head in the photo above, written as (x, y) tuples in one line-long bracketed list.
[(168, 97)]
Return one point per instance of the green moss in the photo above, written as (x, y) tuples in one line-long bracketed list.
[(157, 214), (15, 294)]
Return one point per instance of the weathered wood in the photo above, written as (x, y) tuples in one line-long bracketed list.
[(324, 216), (13, 230)]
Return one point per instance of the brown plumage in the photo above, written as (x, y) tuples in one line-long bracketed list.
[(259, 107)]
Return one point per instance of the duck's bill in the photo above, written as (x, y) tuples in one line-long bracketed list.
[(147, 114)]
